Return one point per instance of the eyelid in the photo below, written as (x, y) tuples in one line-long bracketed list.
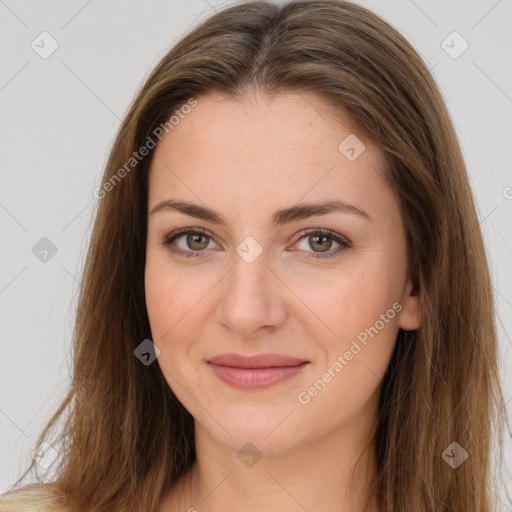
[(168, 239), (340, 239), (325, 232)]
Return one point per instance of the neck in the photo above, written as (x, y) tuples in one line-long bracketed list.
[(331, 473)]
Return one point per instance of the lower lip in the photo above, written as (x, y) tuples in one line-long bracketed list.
[(255, 378)]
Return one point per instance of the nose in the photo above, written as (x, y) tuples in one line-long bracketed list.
[(251, 298)]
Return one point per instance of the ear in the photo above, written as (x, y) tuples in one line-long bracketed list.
[(410, 316)]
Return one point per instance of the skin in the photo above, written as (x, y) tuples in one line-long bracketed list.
[(246, 158)]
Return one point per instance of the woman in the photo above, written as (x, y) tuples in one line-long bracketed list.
[(286, 303)]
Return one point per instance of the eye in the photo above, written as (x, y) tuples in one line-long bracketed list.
[(322, 239), (194, 241)]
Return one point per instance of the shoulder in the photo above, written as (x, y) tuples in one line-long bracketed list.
[(31, 498)]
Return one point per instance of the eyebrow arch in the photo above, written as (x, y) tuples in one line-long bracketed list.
[(279, 217)]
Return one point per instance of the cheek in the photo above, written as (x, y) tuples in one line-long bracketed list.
[(359, 309), (175, 304), (343, 303), (172, 296), (357, 333)]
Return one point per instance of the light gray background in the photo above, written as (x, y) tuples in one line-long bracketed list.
[(59, 117)]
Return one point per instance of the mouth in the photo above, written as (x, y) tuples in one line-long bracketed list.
[(255, 372)]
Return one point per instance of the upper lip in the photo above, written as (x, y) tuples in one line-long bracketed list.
[(256, 361)]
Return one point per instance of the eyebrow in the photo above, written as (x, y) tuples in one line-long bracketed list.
[(279, 217)]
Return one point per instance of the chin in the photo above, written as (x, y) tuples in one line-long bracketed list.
[(271, 430)]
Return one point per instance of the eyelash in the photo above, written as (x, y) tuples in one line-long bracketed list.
[(344, 242)]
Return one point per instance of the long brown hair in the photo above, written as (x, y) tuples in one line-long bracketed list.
[(125, 439)]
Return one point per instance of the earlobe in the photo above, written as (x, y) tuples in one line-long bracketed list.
[(410, 316)]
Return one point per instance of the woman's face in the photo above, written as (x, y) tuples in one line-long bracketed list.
[(256, 278)]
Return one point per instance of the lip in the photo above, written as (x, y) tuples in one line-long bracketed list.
[(255, 372), (256, 361)]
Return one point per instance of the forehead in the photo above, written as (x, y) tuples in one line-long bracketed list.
[(264, 151)]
